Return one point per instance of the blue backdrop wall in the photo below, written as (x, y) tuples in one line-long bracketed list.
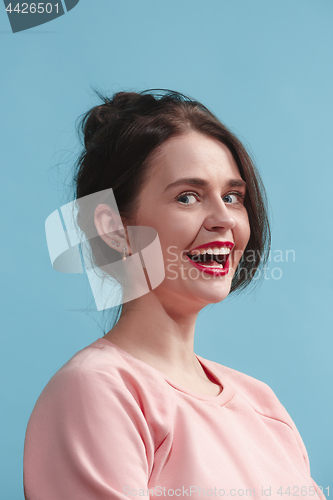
[(265, 68)]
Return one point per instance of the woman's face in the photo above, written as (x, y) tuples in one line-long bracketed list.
[(194, 200)]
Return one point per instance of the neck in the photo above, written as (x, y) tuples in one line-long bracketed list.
[(158, 334)]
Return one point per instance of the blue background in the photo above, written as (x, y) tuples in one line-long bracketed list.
[(265, 68)]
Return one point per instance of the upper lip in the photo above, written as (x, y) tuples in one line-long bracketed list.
[(214, 244)]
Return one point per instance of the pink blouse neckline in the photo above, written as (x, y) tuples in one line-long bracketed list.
[(222, 398)]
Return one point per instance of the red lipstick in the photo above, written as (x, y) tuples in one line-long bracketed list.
[(215, 271)]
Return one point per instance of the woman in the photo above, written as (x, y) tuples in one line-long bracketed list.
[(137, 413)]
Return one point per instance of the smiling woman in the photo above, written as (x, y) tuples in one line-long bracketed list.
[(138, 413)]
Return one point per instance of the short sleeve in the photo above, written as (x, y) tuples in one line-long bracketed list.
[(87, 439)]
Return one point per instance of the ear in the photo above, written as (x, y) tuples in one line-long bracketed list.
[(110, 228)]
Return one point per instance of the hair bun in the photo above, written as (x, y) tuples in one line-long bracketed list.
[(93, 121), (123, 100), (124, 105), (108, 112)]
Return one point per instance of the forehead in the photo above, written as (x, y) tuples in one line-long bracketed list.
[(193, 155)]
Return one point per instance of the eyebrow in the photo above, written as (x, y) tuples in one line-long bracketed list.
[(196, 181)]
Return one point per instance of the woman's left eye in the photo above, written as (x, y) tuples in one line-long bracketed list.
[(234, 197), (187, 198)]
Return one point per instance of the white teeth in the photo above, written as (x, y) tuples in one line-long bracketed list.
[(211, 251), (220, 266)]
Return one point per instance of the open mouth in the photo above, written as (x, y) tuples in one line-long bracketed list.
[(216, 258)]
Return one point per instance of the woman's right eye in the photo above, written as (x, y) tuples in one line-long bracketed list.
[(187, 198)]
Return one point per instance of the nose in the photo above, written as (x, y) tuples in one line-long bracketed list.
[(219, 217)]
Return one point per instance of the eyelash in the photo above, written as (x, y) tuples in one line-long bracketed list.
[(237, 193)]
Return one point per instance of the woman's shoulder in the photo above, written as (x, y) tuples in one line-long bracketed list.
[(101, 382), (103, 364)]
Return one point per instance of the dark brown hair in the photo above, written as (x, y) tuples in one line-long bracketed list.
[(122, 135)]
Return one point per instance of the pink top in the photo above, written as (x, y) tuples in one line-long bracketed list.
[(108, 426)]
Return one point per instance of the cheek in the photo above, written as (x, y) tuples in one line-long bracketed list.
[(171, 236), (243, 232), (245, 224), (247, 232), (177, 229)]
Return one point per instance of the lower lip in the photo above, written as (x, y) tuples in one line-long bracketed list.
[(216, 271)]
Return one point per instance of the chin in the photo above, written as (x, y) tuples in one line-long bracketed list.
[(216, 298), (212, 293)]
